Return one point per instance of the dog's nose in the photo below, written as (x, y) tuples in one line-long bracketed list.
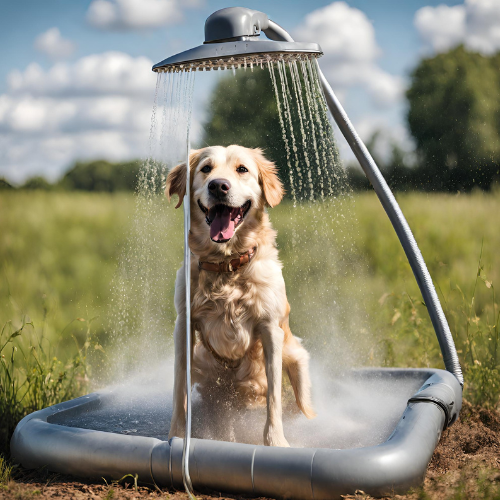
[(219, 187)]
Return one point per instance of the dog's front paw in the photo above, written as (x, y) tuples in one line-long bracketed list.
[(275, 437), (177, 428)]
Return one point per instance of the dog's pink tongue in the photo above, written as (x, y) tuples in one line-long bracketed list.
[(222, 227)]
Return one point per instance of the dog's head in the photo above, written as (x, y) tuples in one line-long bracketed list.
[(228, 187)]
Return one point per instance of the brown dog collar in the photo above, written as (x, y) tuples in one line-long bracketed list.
[(228, 364), (228, 267)]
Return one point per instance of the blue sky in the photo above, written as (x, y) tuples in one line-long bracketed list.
[(54, 110), (21, 22)]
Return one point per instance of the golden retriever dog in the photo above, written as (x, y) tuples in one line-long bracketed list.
[(239, 308)]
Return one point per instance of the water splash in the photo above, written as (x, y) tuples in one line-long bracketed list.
[(143, 315), (353, 411), (325, 306)]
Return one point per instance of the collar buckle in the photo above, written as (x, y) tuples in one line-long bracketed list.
[(228, 267)]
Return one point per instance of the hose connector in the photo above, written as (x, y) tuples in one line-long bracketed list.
[(234, 23)]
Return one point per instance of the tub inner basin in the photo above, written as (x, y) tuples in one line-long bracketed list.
[(356, 409)]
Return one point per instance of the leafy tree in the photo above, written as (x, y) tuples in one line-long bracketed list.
[(454, 116)]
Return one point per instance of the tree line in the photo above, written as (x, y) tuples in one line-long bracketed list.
[(99, 175), (453, 116)]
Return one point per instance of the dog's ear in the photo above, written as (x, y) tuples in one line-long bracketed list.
[(176, 183), (176, 178), (268, 176)]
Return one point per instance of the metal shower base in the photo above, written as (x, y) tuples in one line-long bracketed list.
[(64, 438)]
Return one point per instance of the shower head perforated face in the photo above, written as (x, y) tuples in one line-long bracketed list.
[(232, 41), (227, 55)]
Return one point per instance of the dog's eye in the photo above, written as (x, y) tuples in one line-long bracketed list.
[(241, 169), (206, 169)]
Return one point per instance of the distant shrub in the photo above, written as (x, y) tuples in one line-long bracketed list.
[(101, 175), (38, 183), (5, 185)]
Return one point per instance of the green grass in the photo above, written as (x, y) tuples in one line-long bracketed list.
[(58, 255), (6, 469), (459, 240), (354, 299)]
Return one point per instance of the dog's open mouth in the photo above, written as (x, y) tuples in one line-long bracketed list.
[(223, 220)]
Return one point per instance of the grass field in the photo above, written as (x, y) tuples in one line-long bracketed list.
[(352, 292)]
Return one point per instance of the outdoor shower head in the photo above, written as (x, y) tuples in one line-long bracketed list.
[(232, 41)]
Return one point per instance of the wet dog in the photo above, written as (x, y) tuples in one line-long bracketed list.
[(239, 308)]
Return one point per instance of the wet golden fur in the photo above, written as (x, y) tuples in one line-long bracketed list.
[(242, 315)]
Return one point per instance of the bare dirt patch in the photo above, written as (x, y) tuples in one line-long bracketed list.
[(465, 465)]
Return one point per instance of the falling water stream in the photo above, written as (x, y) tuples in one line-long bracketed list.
[(320, 280), (143, 313)]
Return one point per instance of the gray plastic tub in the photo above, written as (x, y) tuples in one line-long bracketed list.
[(92, 437)]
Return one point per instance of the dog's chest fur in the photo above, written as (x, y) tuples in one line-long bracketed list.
[(227, 308), (222, 314)]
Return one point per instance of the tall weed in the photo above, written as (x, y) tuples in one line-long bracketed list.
[(477, 338), (32, 378), (408, 339)]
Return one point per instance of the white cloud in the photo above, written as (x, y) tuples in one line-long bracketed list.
[(124, 15), (99, 74), (442, 27), (97, 107), (53, 45), (475, 23), (46, 116), (347, 38), (23, 156)]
